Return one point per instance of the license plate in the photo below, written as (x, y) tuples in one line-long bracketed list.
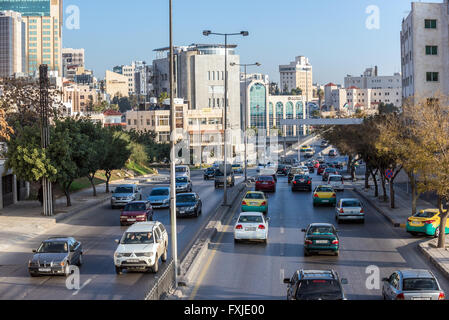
[(420, 298), (44, 269), (325, 201), (253, 203), (250, 229), (132, 260), (301, 180), (182, 212), (321, 241), (131, 220), (415, 223)]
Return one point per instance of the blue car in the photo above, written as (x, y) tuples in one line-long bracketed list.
[(160, 197), (188, 204)]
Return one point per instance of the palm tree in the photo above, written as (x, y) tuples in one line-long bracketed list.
[(320, 94)]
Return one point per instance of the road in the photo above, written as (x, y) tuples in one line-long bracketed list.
[(252, 271), (97, 229)]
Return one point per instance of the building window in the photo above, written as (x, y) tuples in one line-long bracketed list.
[(432, 76), (432, 50), (430, 23)]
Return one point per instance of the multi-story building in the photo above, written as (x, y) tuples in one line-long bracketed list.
[(116, 84), (12, 43), (72, 59), (371, 80), (43, 19), (84, 76), (424, 50), (139, 75), (81, 97), (297, 74)]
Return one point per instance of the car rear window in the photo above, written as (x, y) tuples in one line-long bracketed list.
[(413, 284), (299, 177), (250, 219), (265, 179), (336, 179), (254, 196), (324, 189), (425, 214), (135, 207), (321, 230), (350, 204), (319, 287)]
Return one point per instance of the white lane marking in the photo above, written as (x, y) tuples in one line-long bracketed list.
[(282, 276), (282, 230), (282, 249), (84, 284)]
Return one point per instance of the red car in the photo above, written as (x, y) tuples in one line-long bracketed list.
[(321, 169), (265, 183), (137, 211)]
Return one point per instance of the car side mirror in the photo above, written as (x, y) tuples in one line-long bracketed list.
[(34, 250), (303, 230), (268, 219), (287, 280), (344, 281), (116, 241)]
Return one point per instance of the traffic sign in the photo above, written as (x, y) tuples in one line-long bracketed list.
[(389, 173)]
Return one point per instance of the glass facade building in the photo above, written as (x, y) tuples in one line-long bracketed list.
[(258, 106), (27, 7)]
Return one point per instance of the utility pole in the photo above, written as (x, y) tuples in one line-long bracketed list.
[(174, 243), (45, 136)]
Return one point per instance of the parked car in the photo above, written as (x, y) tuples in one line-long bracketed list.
[(315, 285), (251, 226), (255, 201), (188, 204), (136, 211), (426, 222), (160, 197), (141, 247), (412, 285), (182, 171), (220, 177), (302, 182), (324, 194), (265, 183), (321, 237), (349, 209), (328, 171), (336, 181), (209, 173), (125, 193), (183, 184), (55, 256)]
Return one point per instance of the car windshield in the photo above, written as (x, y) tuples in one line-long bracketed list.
[(159, 192), (425, 214), (250, 219), (318, 287), (53, 247), (185, 198), (265, 179), (414, 284), (254, 196), (181, 180), (324, 189), (181, 169), (135, 207), (321, 230), (137, 238), (339, 179), (351, 203), (123, 190)]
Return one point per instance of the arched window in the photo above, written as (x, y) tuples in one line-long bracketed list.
[(258, 107)]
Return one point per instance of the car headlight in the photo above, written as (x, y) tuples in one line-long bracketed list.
[(140, 216), (148, 254), (166, 200), (113, 198), (118, 255), (130, 197), (190, 208)]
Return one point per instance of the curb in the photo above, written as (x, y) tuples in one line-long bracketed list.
[(386, 216), (64, 216), (424, 248)]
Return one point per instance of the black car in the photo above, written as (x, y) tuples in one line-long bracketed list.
[(55, 256), (329, 171), (209, 173), (315, 285), (283, 169), (311, 167), (188, 204), (302, 182)]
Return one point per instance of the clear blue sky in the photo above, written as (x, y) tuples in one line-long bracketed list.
[(331, 33)]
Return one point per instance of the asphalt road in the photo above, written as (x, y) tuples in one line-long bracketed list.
[(97, 229), (253, 271)]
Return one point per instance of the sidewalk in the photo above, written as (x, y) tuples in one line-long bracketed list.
[(24, 220), (398, 217)]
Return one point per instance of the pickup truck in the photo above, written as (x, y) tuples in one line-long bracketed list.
[(220, 179)]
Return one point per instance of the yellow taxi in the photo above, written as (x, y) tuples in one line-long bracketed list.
[(426, 221), (255, 201), (304, 148), (324, 194)]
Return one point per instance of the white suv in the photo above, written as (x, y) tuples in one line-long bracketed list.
[(337, 182), (141, 247)]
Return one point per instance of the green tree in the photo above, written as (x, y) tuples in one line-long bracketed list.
[(163, 96)]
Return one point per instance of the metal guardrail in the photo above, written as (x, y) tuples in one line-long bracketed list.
[(164, 283)]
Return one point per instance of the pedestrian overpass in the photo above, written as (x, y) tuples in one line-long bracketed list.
[(322, 122)]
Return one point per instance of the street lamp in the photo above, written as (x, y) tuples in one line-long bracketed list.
[(246, 109), (244, 34)]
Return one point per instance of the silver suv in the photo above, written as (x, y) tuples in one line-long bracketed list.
[(125, 193)]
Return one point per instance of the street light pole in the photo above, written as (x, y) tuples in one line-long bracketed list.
[(174, 243), (245, 137), (225, 125)]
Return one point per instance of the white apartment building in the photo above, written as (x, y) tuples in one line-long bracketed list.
[(424, 50), (371, 80), (297, 74), (12, 43), (365, 99), (72, 59)]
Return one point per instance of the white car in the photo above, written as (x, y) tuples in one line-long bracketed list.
[(251, 226), (305, 170), (349, 209), (141, 247), (337, 182)]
